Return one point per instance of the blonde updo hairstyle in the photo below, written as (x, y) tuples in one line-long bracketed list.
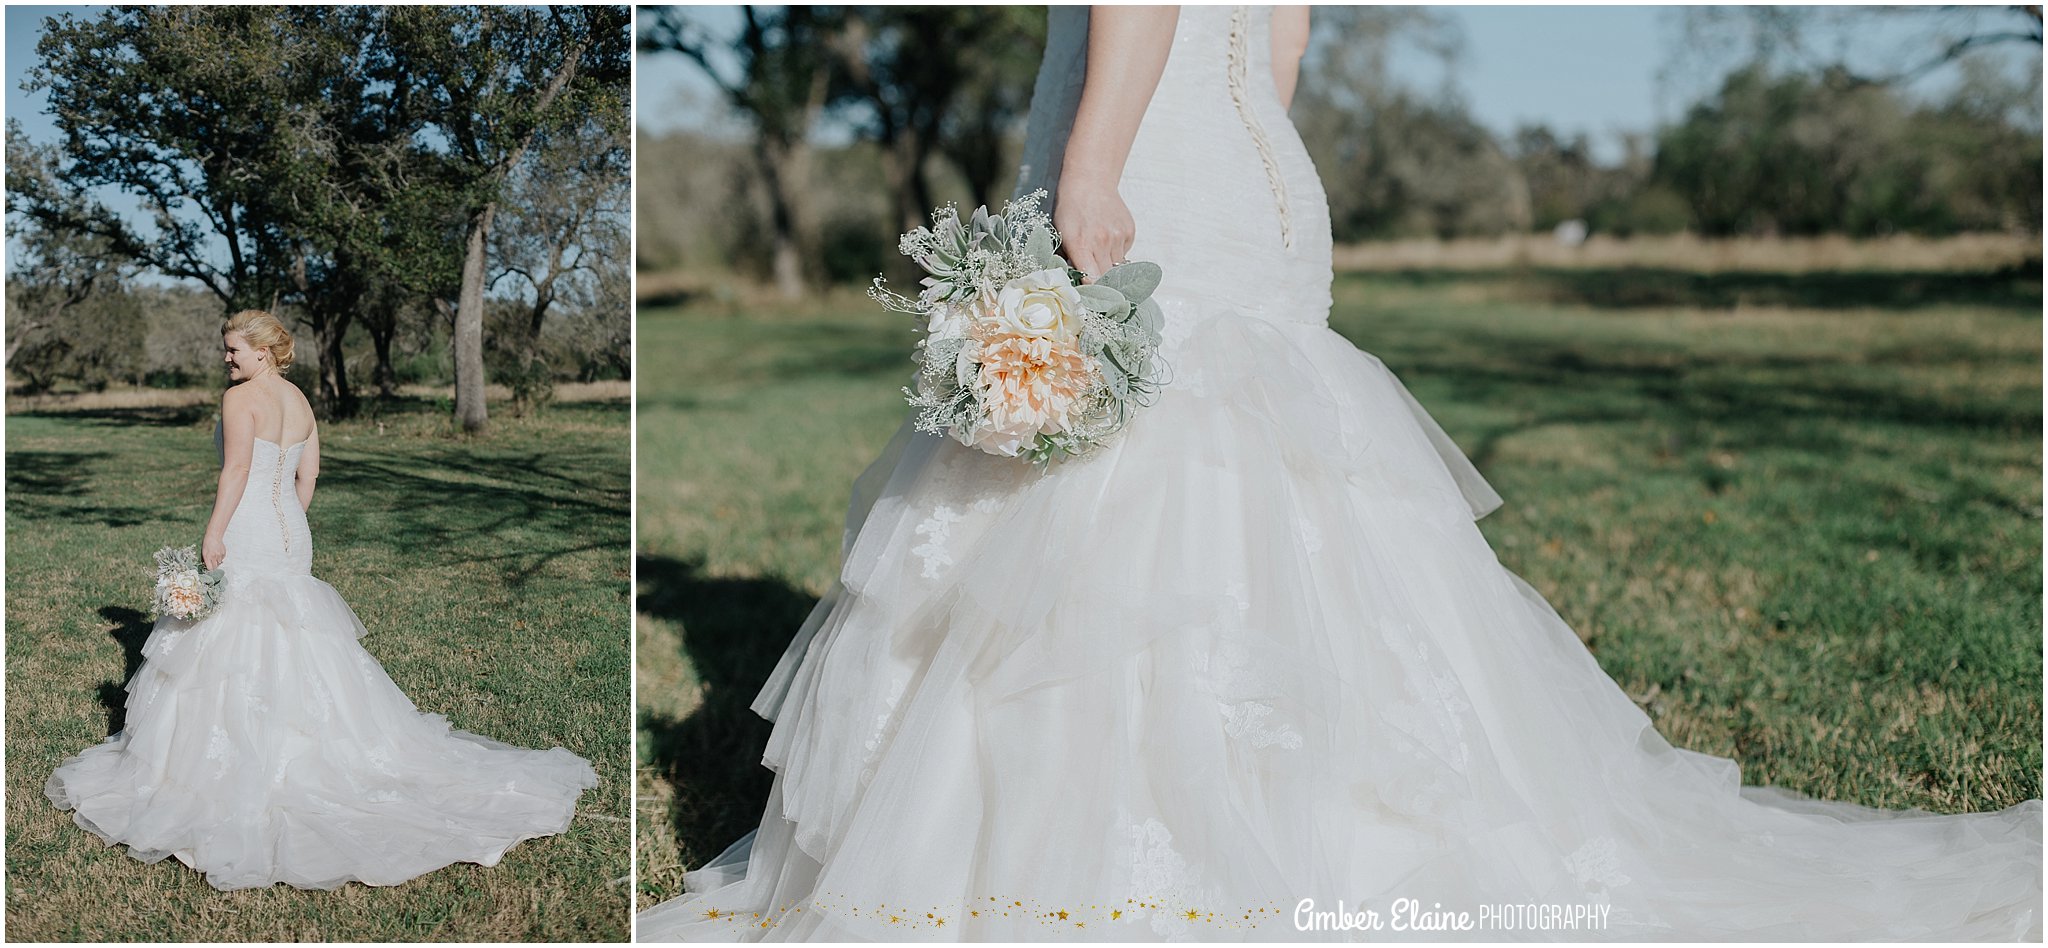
[(264, 332)]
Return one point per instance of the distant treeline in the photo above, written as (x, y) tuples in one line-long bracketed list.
[(1770, 152), (139, 335)]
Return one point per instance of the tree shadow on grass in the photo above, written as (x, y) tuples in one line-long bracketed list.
[(49, 473), (1656, 287), (131, 629), (734, 630), (849, 351), (563, 502), (1753, 402), (50, 485), (163, 416)]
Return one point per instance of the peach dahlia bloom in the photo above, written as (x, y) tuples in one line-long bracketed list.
[(1029, 385)]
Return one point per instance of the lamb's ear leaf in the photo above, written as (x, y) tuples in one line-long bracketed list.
[(1104, 300), (1039, 247), (1135, 280), (1150, 317)]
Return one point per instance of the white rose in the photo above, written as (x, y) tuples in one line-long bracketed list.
[(1043, 303)]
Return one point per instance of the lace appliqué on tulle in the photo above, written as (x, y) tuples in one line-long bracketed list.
[(935, 530), (1311, 537), (884, 728), (1161, 878), (1240, 95), (1244, 693), (1248, 721), (954, 482), (1438, 718), (1597, 863), (318, 700), (220, 750)]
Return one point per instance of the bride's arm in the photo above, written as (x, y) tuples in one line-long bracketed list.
[(1127, 47), (238, 443), (309, 469), (1290, 41)]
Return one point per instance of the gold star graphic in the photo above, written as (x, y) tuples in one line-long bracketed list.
[(714, 915), (1062, 914), (1113, 916), (1193, 915)]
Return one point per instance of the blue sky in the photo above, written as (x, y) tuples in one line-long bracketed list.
[(24, 27)]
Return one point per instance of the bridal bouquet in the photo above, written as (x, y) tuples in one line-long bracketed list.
[(1018, 357), (183, 589)]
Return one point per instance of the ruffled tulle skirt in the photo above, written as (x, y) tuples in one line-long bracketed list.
[(263, 744), (1252, 661)]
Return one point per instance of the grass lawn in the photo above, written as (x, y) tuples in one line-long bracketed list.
[(492, 575), (1798, 517)]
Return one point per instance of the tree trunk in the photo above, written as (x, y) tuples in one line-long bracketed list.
[(782, 168), (21, 334), (469, 326), (381, 334), (337, 400), (332, 398), (533, 391), (380, 317)]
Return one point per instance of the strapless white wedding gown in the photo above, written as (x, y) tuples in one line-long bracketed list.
[(264, 745), (1258, 652)]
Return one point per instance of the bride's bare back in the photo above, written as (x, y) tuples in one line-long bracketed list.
[(282, 416)]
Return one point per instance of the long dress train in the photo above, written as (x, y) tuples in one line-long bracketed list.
[(1257, 653), (263, 744)]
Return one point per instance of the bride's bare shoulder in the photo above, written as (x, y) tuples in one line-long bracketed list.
[(238, 398), (297, 397)]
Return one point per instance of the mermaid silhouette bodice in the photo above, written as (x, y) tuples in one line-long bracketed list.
[(268, 532)]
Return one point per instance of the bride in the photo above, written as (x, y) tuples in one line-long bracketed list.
[(1253, 672), (263, 744)]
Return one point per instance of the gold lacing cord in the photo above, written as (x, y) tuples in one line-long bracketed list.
[(277, 486), (1240, 94)]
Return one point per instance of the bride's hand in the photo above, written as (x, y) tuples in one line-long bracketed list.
[(1095, 228), (212, 550)]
